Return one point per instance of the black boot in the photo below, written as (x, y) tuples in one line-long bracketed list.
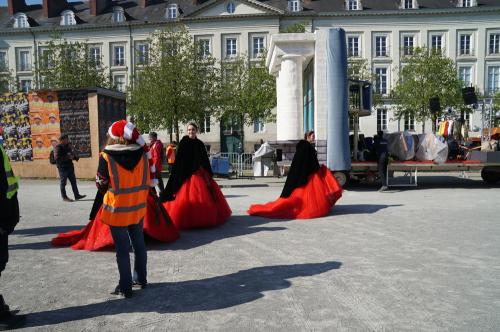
[(8, 319)]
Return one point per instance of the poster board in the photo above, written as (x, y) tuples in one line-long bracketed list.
[(44, 122), (110, 110), (74, 114), (14, 118)]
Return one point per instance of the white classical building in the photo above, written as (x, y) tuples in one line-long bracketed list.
[(380, 31)]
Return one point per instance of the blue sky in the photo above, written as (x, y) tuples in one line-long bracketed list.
[(3, 3)]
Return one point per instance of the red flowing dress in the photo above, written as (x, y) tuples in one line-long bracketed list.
[(97, 235), (310, 190), (191, 196)]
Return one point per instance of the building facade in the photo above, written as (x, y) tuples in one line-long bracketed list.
[(468, 31)]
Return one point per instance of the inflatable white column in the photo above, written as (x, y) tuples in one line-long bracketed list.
[(290, 102)]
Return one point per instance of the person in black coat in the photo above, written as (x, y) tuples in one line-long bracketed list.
[(382, 158), (64, 156)]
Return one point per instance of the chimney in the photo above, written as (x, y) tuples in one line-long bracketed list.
[(99, 6), (52, 8), (16, 6), (144, 3)]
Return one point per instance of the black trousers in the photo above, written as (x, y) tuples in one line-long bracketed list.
[(66, 174), (160, 181), (4, 251), (382, 162)]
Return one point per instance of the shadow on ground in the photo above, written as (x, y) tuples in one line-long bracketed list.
[(359, 208), (235, 226), (190, 296)]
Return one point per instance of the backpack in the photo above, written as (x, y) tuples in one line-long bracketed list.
[(52, 158)]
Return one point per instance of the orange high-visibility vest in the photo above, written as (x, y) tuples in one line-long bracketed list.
[(170, 154), (125, 201)]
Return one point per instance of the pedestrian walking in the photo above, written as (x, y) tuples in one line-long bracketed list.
[(64, 156)]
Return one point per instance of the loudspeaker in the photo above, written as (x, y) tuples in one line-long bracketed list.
[(434, 104), (279, 155), (469, 95)]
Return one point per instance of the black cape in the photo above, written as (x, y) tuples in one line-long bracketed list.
[(191, 155), (304, 163)]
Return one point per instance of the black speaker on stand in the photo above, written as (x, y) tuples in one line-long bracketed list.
[(434, 104), (469, 95)]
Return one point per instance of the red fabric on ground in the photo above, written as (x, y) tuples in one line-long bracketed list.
[(97, 235), (313, 200), (199, 203)]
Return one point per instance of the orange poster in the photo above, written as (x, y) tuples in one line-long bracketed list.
[(44, 120)]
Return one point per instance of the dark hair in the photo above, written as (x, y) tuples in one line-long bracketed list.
[(192, 123), (153, 134), (308, 133), (63, 136)]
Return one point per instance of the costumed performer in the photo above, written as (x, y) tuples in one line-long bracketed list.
[(192, 197), (310, 190), (97, 235)]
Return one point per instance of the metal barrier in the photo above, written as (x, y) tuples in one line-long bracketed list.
[(240, 164)]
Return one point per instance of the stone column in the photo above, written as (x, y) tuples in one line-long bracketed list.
[(290, 98)]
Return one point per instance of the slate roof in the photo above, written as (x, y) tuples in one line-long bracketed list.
[(155, 12)]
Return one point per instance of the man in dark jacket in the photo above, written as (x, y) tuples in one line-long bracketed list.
[(382, 158), (9, 218), (64, 156)]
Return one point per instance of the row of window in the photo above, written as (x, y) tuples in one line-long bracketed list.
[(464, 73), (408, 121), (230, 49), (437, 42)]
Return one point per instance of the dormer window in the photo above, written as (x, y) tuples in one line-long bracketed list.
[(118, 15), (294, 5), (231, 8), (172, 11), (21, 21), (353, 5), (68, 18), (467, 3), (409, 4)]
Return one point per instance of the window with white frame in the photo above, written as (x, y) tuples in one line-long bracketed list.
[(437, 42), (4, 65), (465, 75), (205, 124), (118, 15), (119, 82), (172, 11), (118, 55), (95, 54), (294, 5), (353, 46), (493, 79), (141, 53), (45, 58), (204, 46), (381, 119), (258, 126), (25, 84), (231, 46), (381, 48), (68, 18), (408, 45), (352, 5), (23, 60), (258, 46), (409, 122), (409, 4), (465, 47), (494, 43), (466, 3), (381, 80), (21, 21)]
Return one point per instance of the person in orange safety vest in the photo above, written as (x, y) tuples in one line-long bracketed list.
[(125, 174)]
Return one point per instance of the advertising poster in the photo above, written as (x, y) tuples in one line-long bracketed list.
[(110, 110), (14, 118), (74, 114), (44, 120)]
